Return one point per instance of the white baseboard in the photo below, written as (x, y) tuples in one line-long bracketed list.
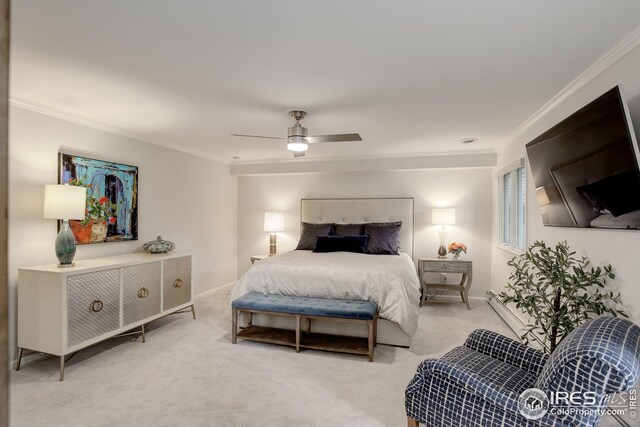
[(508, 315), (226, 285)]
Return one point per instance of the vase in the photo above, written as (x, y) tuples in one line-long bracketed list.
[(456, 256), (81, 231), (99, 232), (159, 246)]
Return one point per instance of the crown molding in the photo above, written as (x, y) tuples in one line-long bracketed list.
[(613, 55), (102, 127)]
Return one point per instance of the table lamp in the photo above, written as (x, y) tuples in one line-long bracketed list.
[(65, 202), (443, 217), (273, 223)]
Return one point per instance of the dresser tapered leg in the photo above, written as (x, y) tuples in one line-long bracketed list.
[(19, 359), (142, 329), (193, 311), (62, 368)]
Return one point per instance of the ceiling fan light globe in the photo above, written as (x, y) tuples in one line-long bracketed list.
[(297, 143)]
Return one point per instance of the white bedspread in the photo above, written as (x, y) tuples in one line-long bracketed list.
[(388, 280)]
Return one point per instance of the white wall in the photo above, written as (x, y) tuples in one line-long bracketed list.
[(186, 199), (468, 190), (617, 247)]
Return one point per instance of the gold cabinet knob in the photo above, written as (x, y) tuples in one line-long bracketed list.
[(96, 305), (178, 283), (143, 293)]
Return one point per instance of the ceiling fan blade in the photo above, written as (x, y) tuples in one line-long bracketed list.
[(256, 136), (298, 154), (343, 137)]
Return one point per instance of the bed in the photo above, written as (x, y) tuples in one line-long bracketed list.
[(388, 280)]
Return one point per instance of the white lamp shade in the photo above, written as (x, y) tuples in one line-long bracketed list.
[(443, 216), (273, 222), (64, 201)]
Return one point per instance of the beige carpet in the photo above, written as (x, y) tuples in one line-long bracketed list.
[(189, 374)]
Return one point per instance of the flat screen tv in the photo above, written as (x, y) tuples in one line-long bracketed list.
[(585, 168)]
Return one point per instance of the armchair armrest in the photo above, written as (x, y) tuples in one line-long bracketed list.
[(432, 373), (506, 350)]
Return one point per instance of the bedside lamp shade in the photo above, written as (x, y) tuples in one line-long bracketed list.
[(273, 223), (446, 216), (443, 216), (65, 202)]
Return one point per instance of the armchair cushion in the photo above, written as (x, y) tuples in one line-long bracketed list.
[(490, 378), (489, 387), (507, 350)]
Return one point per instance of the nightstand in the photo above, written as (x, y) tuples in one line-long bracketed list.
[(255, 258), (437, 265)]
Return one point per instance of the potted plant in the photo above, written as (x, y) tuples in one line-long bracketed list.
[(98, 212), (558, 291), (101, 211)]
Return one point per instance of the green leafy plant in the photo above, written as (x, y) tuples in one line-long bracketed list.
[(558, 291), (98, 210)]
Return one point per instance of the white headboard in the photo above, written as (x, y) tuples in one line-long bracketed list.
[(358, 211)]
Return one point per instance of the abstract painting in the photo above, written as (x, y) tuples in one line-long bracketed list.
[(112, 198)]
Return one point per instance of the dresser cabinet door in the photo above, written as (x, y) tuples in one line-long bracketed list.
[(93, 305), (176, 282), (141, 287)]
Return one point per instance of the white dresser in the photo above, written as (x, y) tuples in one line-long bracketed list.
[(62, 310)]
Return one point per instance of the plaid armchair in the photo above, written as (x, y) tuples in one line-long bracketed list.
[(480, 383)]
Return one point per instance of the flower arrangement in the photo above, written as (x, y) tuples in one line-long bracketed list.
[(456, 247), (98, 210)]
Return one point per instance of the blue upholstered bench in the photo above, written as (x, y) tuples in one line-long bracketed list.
[(303, 308)]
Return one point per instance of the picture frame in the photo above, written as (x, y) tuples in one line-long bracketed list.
[(112, 198)]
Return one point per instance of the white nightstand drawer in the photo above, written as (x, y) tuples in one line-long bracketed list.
[(446, 266)]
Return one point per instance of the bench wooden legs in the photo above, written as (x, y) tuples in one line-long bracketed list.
[(234, 325), (259, 335), (298, 325), (375, 332), (371, 324)]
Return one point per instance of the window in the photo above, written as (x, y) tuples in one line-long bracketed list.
[(512, 188)]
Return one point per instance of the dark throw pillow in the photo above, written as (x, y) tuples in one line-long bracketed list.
[(310, 233), (348, 230), (384, 238), (357, 244), (619, 194)]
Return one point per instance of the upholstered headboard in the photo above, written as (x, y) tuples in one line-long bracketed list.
[(358, 211)]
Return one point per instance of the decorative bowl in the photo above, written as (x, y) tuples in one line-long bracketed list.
[(159, 246)]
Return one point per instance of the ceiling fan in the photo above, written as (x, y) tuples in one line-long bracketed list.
[(298, 141)]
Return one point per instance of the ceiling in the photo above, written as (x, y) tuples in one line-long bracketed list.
[(412, 77)]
